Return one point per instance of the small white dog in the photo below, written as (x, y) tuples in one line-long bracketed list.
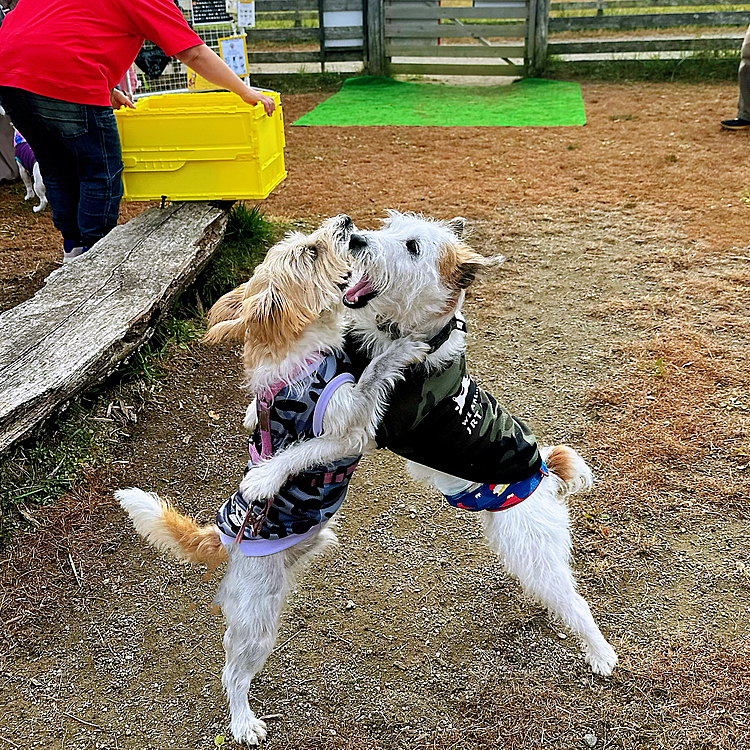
[(311, 424), (28, 168), (457, 437)]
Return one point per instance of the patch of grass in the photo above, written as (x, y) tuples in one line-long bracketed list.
[(300, 83), (709, 66), (40, 470), (247, 236)]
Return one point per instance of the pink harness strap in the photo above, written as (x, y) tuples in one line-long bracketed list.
[(263, 403)]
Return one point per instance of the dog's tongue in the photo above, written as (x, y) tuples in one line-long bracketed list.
[(360, 289)]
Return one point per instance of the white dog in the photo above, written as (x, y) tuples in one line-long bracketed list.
[(28, 168), (457, 437), (312, 423)]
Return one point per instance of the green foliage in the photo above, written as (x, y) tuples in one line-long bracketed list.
[(38, 471), (244, 245), (707, 66)]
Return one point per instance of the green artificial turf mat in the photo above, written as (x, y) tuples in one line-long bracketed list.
[(383, 101)]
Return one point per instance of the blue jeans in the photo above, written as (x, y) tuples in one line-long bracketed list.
[(743, 106), (77, 147)]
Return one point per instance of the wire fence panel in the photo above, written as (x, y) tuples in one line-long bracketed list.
[(291, 32)]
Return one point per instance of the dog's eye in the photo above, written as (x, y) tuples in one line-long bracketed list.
[(313, 250), (412, 246)]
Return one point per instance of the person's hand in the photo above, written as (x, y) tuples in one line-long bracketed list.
[(268, 104), (251, 96), (119, 99)]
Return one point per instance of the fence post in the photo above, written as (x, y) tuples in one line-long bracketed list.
[(536, 42), (375, 26), (322, 36)]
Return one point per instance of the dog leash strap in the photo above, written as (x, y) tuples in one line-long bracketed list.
[(264, 424)]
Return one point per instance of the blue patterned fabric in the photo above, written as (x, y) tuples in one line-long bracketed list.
[(496, 497), (306, 500)]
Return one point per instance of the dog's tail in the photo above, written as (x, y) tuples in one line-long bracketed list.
[(161, 525), (569, 467)]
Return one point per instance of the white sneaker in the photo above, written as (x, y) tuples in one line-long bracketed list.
[(73, 253)]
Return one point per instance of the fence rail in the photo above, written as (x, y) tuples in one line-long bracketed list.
[(651, 21), (602, 6)]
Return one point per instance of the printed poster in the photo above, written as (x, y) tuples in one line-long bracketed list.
[(246, 15), (233, 51)]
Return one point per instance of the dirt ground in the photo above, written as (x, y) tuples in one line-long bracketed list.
[(619, 324)]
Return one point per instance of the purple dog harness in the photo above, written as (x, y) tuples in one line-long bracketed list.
[(289, 412), (23, 153)]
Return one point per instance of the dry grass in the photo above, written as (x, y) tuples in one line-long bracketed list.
[(682, 399), (43, 567)]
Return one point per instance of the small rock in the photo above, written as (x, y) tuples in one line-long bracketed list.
[(562, 637), (350, 605), (590, 739)]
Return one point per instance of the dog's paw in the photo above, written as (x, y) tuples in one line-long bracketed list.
[(38, 208), (409, 350), (603, 660), (251, 417), (249, 730), (260, 483)]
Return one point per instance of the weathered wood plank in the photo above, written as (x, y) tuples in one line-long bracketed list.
[(616, 4), (376, 62), (262, 6), (455, 50), (421, 12), (473, 31), (303, 34), (538, 44), (456, 70), (333, 54), (92, 313), (645, 45), (651, 21)]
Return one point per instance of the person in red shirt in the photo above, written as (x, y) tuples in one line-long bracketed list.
[(60, 62)]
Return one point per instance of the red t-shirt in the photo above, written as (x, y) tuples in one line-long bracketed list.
[(78, 50)]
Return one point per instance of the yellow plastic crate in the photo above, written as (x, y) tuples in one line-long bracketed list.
[(201, 146)]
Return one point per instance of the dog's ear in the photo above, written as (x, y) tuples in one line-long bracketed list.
[(391, 215), (460, 265), (224, 323), (456, 225), (275, 317)]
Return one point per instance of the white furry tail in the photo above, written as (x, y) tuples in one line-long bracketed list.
[(569, 467), (161, 525)]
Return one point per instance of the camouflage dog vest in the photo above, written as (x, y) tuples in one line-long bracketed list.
[(444, 420)]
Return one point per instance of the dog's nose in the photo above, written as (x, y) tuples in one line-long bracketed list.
[(356, 243)]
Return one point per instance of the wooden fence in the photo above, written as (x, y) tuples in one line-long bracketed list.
[(332, 30), (430, 37), (507, 37), (640, 26)]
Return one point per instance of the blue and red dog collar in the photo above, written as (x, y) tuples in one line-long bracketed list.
[(495, 497)]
